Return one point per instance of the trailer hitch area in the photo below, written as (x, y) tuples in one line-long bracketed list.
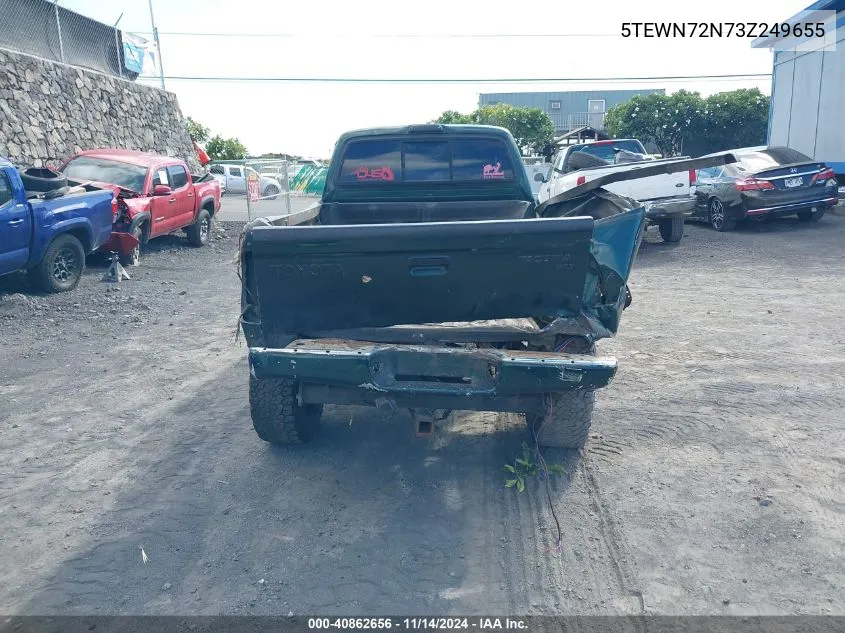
[(425, 419)]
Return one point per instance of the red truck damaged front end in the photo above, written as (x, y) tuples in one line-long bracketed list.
[(154, 195)]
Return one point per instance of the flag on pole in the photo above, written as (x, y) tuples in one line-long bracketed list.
[(201, 155), (139, 55)]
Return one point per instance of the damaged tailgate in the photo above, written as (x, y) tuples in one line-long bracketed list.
[(307, 280)]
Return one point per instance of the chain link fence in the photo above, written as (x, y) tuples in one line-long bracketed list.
[(45, 29), (253, 187)]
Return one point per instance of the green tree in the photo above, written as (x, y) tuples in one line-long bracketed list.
[(735, 119), (451, 116), (197, 131), (665, 120), (531, 127), (219, 148), (683, 122)]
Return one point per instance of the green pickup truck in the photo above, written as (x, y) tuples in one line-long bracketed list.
[(430, 280)]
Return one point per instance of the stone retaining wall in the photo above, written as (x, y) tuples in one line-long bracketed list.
[(49, 111)]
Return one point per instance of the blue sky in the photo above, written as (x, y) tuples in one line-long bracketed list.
[(337, 38)]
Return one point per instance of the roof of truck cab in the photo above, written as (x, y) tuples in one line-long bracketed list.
[(427, 129), (132, 157)]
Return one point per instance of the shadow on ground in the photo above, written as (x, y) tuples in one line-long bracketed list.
[(366, 519)]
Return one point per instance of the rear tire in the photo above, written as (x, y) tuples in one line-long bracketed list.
[(42, 180), (671, 229), (271, 192), (200, 231), (277, 417), (565, 419), (718, 218), (61, 268), (809, 216)]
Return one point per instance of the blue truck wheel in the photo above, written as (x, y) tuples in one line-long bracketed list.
[(61, 268)]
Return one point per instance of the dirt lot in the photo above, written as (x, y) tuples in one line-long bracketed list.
[(713, 482)]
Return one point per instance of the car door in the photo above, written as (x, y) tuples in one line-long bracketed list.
[(704, 185), (15, 227), (164, 211), (183, 191), (235, 181)]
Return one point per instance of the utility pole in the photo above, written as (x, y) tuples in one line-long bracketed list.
[(158, 44), (59, 29)]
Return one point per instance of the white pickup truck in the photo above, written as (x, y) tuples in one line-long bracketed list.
[(668, 198)]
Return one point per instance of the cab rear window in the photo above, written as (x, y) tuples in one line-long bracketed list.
[(372, 161), (386, 161), (605, 151), (770, 158)]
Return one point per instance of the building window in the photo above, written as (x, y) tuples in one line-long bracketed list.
[(555, 105)]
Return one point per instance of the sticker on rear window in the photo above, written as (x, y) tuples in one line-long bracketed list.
[(493, 171), (377, 173)]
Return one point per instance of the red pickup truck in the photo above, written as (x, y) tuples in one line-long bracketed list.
[(156, 195)]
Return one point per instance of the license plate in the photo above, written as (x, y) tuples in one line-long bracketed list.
[(794, 182)]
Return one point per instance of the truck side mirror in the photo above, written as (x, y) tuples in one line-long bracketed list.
[(538, 177), (162, 190)]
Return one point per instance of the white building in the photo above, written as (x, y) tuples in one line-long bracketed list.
[(808, 88)]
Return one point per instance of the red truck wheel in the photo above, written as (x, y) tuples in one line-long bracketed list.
[(200, 231), (133, 258)]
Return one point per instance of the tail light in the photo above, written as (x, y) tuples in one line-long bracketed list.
[(580, 181), (114, 209), (693, 177), (753, 184), (825, 174)]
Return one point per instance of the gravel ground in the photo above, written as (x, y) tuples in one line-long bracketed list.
[(132, 482)]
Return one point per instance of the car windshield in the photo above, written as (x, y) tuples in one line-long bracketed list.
[(770, 158), (605, 150), (124, 175)]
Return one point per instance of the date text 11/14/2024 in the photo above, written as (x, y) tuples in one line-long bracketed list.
[(418, 624)]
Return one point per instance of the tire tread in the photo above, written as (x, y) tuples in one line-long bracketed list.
[(671, 229), (566, 419), (276, 416)]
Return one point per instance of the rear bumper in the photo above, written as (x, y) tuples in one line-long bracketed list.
[(789, 209), (657, 210), (416, 370)]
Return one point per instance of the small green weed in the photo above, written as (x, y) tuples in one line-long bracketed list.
[(525, 466)]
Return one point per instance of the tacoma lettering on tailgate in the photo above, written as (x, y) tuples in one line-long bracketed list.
[(559, 261), (309, 270)]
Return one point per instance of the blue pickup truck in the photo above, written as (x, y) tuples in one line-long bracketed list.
[(48, 233)]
